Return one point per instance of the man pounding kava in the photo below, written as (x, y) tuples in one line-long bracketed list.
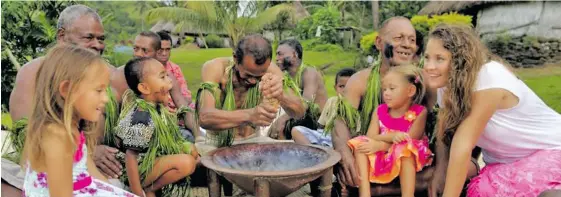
[(241, 94), (397, 44)]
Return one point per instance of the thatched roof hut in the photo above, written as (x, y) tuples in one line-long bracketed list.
[(185, 31), (531, 29), (301, 12), (517, 18), (178, 35), (441, 7)]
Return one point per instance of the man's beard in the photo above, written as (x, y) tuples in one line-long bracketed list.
[(286, 63)]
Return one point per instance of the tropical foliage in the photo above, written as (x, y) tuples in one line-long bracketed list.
[(424, 23), (367, 42), (406, 9), (28, 28), (214, 41), (234, 18)]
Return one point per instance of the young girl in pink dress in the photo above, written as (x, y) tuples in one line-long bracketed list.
[(69, 99), (395, 144)]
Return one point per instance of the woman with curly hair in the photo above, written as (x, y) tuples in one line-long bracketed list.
[(484, 104)]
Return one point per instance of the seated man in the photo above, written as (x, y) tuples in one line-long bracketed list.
[(163, 56), (306, 79), (228, 102), (304, 135), (174, 71)]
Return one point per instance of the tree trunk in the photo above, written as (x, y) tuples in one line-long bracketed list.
[(203, 38), (375, 14), (343, 16)]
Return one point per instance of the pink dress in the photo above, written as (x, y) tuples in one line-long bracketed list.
[(35, 183), (384, 166)]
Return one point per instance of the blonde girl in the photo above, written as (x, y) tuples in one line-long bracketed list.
[(69, 99)]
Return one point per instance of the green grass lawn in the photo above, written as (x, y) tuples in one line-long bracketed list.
[(545, 81)]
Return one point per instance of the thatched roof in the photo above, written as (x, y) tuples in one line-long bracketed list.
[(301, 12), (440, 7), (170, 27), (347, 28), (163, 26)]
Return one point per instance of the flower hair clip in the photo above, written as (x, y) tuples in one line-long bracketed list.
[(417, 79)]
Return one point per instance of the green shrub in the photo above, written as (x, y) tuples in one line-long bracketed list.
[(503, 38), (332, 48), (310, 43), (424, 24), (367, 42), (214, 41), (450, 18), (328, 19), (188, 40), (316, 44), (303, 28), (531, 41), (421, 23)]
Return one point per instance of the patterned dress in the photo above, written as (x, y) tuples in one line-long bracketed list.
[(152, 131), (35, 184), (134, 132), (384, 166)]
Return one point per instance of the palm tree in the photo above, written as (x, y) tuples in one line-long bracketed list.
[(47, 31), (231, 17), (142, 7), (107, 17), (375, 14), (347, 10)]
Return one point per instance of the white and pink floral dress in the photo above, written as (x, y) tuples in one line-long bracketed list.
[(35, 183)]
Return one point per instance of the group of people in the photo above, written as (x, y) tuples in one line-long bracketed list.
[(100, 127)]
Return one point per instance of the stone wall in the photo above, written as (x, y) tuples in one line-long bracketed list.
[(526, 51), (521, 18)]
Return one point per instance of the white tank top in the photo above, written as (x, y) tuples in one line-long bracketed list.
[(515, 133)]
